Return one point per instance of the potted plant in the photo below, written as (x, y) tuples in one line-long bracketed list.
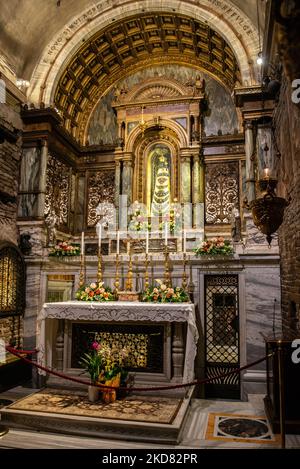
[(92, 362)]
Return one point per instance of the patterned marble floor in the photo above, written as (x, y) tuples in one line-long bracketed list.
[(194, 434)]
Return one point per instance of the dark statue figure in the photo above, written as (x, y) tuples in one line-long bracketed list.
[(236, 224), (24, 244)]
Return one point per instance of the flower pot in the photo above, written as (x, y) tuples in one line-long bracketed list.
[(110, 395), (93, 393)]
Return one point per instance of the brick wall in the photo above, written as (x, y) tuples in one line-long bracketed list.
[(287, 133), (10, 157)]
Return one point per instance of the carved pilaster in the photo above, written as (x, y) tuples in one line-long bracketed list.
[(127, 180), (186, 179), (177, 351)]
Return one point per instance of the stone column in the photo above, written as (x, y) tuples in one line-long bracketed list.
[(127, 180), (185, 185), (249, 151)]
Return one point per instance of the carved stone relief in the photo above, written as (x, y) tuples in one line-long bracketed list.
[(101, 188), (222, 191), (57, 193)]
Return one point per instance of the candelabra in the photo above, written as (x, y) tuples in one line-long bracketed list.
[(82, 271), (99, 273), (117, 279), (184, 275), (129, 273), (146, 282), (167, 275)]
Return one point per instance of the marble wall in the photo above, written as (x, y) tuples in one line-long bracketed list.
[(220, 117)]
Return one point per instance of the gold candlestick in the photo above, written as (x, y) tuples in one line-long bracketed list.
[(146, 282), (184, 276), (82, 271), (167, 276), (129, 273), (117, 280), (99, 273)]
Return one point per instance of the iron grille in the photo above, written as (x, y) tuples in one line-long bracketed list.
[(222, 334), (145, 342), (12, 281)]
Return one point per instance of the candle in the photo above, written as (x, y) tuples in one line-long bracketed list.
[(184, 241), (266, 173), (118, 242), (82, 243), (147, 242), (99, 237), (166, 234)]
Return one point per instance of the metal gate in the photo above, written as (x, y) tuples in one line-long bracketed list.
[(222, 335)]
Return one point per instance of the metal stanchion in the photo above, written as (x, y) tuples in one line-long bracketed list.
[(281, 393)]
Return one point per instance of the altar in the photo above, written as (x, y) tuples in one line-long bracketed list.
[(55, 334)]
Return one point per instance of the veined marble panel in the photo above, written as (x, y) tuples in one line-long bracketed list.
[(262, 293)]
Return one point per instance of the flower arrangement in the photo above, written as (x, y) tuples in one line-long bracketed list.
[(95, 292), (173, 219), (164, 294), (65, 249), (105, 362), (138, 219), (214, 246)]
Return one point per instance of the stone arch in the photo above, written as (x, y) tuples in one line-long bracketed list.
[(225, 18)]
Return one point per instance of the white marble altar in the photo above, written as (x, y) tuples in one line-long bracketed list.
[(53, 330)]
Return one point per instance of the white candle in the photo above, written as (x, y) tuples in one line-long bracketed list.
[(147, 242), (82, 243), (99, 237), (118, 242), (166, 234), (184, 241)]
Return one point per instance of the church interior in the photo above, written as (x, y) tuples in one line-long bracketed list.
[(149, 224)]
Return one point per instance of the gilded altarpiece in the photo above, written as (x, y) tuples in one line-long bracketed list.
[(221, 191)]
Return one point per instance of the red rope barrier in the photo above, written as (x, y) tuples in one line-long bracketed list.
[(138, 389)]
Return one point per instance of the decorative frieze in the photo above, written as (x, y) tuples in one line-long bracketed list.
[(101, 188)]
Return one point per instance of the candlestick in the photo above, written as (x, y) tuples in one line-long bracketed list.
[(166, 234), (117, 279), (147, 242), (184, 241), (184, 276), (146, 283), (167, 276), (118, 242), (82, 266), (129, 273), (82, 243), (99, 273), (99, 236)]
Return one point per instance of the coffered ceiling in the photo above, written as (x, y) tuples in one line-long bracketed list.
[(132, 44)]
